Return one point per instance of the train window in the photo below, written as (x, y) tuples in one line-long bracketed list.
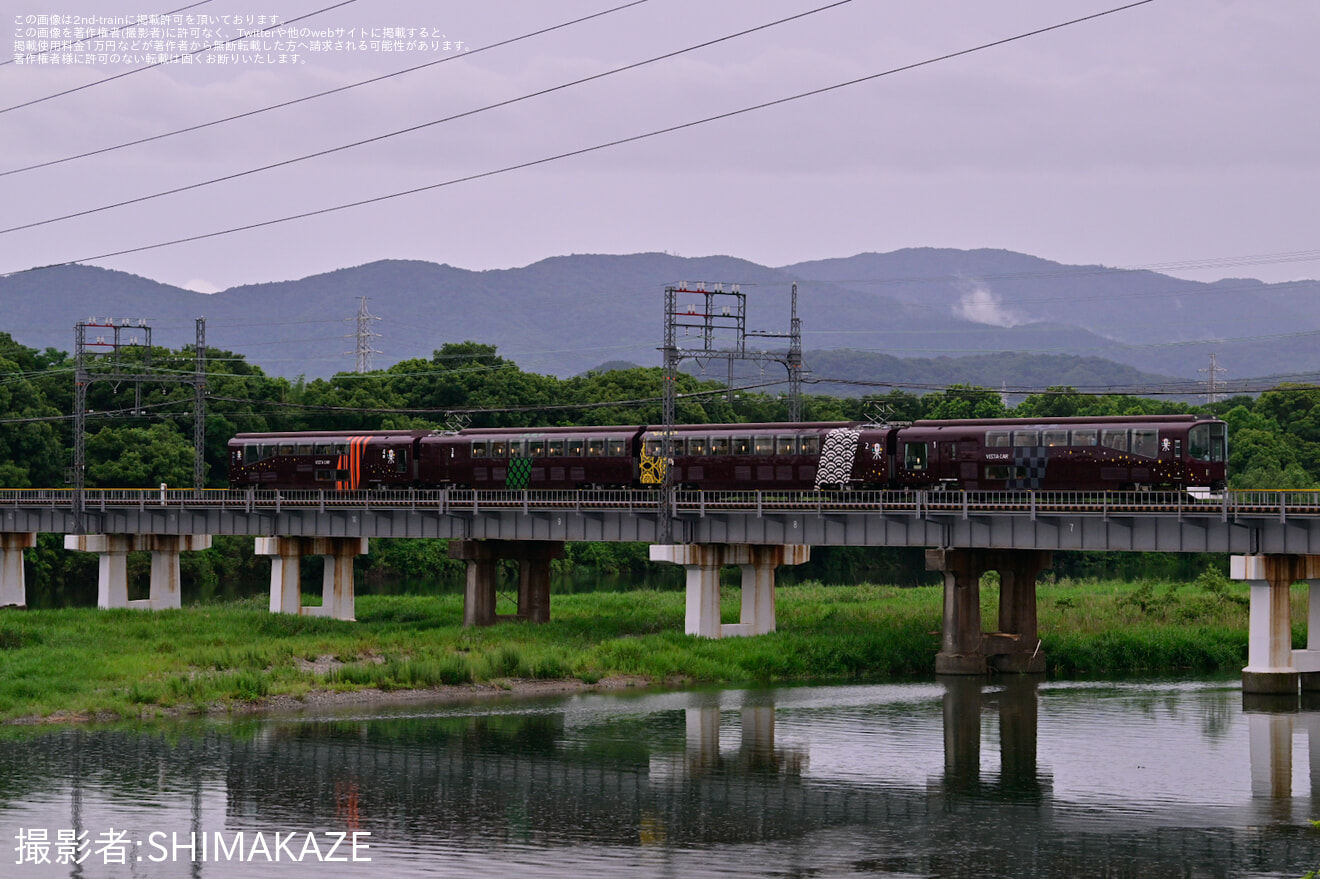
[(325, 476), (479, 448), (286, 448), (997, 439), (763, 445), (401, 461), (574, 448), (499, 448), (785, 445), (324, 449), (1198, 442), (1054, 438), (719, 445), (595, 448), (1205, 442), (1087, 437), (653, 447), (742, 445), (697, 445), (1114, 439), (914, 456), (810, 444), (536, 448), (1004, 472), (555, 448), (618, 448), (304, 448), (251, 453), (1146, 442), (267, 450), (678, 446), (1026, 438)]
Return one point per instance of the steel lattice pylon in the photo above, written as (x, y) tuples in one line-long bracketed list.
[(362, 350)]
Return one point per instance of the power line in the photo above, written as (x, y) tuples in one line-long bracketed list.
[(172, 58), (1204, 288), (420, 126), (1189, 388), (323, 94), (492, 410), (601, 146)]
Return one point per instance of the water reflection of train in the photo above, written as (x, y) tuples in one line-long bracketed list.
[(1082, 454)]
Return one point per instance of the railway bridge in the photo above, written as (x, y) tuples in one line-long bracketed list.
[(1274, 538)]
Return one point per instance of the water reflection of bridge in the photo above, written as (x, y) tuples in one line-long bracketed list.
[(699, 770)]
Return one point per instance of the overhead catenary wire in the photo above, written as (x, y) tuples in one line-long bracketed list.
[(501, 410), (467, 54), (1190, 387), (421, 125), (605, 145)]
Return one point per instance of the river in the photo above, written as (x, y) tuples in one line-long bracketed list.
[(1010, 778)]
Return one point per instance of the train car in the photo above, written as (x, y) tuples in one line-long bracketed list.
[(329, 460), (1081, 454), (731, 457), (1077, 454), (532, 458)]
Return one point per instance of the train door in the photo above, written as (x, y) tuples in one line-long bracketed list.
[(969, 464), (944, 465)]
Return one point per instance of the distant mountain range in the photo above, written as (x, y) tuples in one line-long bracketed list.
[(915, 316)]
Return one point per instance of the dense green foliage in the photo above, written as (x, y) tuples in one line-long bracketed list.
[(142, 436), (84, 662)]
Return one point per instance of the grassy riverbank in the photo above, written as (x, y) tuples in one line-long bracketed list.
[(75, 663)]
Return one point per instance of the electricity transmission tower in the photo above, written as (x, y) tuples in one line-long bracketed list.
[(1212, 379), (363, 336)]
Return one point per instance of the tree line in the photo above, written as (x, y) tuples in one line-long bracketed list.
[(142, 436)]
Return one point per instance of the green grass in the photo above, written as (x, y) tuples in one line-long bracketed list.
[(87, 662)]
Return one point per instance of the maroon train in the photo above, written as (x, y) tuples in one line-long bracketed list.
[(1081, 454)]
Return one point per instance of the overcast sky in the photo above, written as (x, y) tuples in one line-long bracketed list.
[(1179, 130)]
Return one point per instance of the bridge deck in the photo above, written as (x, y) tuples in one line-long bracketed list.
[(1244, 522)]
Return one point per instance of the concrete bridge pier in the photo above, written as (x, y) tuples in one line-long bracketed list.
[(337, 599), (1272, 665), (965, 649), (483, 557), (13, 584), (113, 549), (703, 563)]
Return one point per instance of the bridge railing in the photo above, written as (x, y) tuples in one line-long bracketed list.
[(897, 502)]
